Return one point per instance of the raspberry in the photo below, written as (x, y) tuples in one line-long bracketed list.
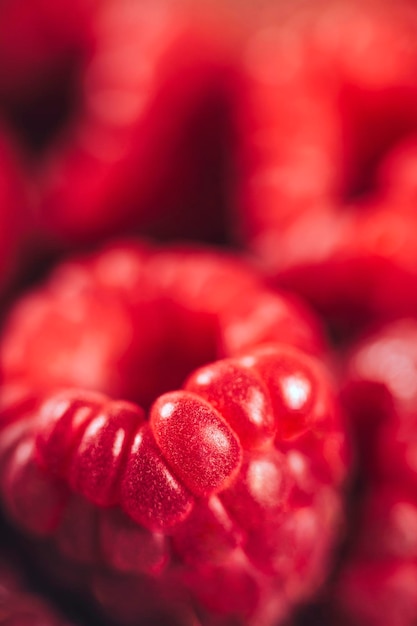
[(220, 503), (328, 134), (146, 149), (239, 506), (168, 307), (380, 563)]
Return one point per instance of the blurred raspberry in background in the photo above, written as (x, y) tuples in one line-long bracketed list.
[(286, 130)]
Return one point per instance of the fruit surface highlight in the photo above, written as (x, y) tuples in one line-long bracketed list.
[(221, 498)]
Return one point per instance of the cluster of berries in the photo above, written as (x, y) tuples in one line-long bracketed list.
[(208, 285)]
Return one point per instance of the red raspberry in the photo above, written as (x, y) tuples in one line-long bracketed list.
[(146, 149), (328, 134), (223, 502), (163, 307), (209, 513), (377, 581)]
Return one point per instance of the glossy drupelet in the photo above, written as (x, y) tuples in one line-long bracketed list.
[(221, 503), (230, 531), (329, 126), (377, 579)]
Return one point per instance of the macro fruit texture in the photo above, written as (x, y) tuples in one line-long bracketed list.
[(173, 447), (377, 580), (147, 146), (328, 153), (219, 499), (115, 321)]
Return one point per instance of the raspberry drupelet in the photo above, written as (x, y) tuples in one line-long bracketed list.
[(219, 500)]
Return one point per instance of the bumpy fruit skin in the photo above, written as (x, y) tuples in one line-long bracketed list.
[(20, 607), (181, 504), (132, 321), (220, 503), (328, 153), (146, 149), (377, 581)]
